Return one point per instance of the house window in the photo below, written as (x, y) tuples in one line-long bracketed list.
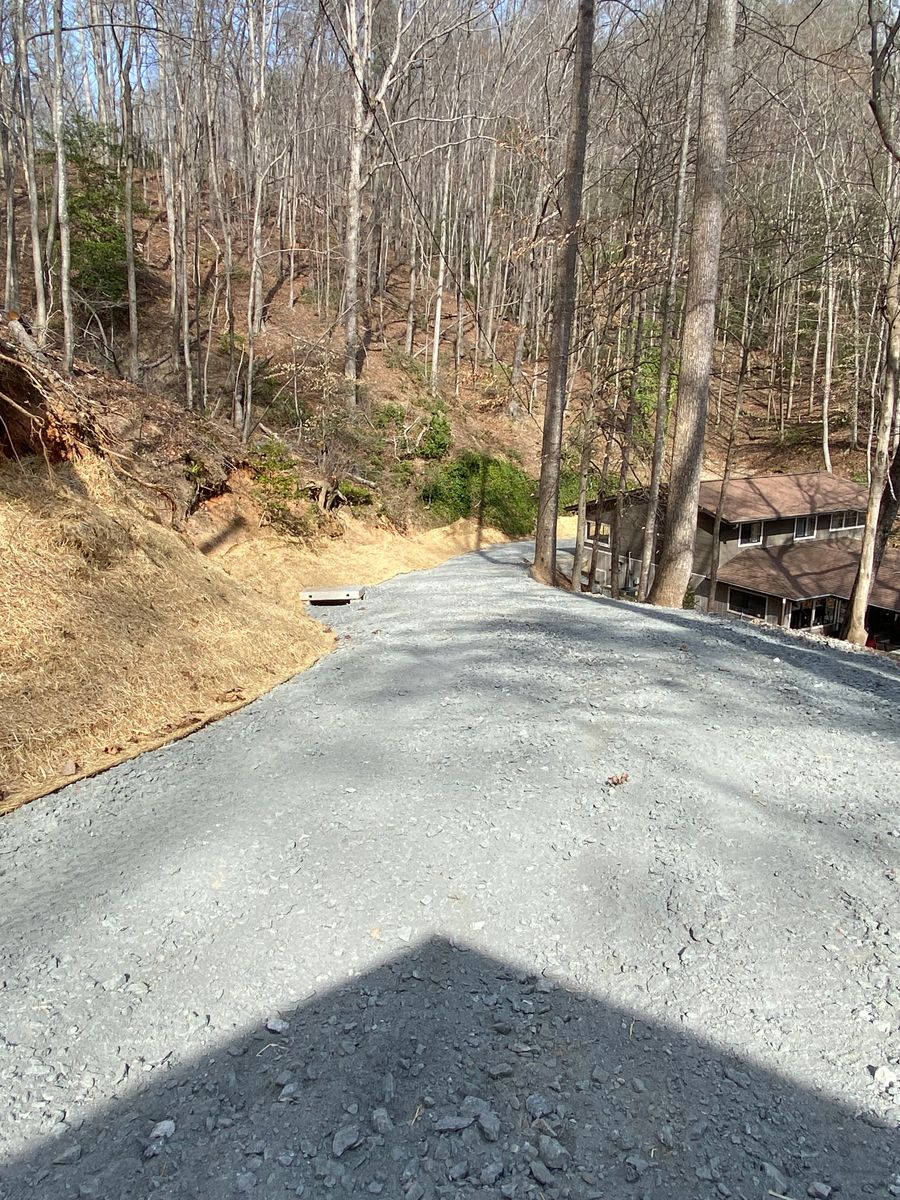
[(809, 614), (804, 527), (748, 604), (750, 533), (848, 520), (602, 534)]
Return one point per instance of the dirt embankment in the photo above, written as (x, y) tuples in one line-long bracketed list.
[(364, 552), (115, 634), (133, 610)]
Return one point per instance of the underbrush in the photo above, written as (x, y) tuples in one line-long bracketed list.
[(490, 490)]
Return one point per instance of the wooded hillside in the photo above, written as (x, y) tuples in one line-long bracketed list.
[(275, 209)]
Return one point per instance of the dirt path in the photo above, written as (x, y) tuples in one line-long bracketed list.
[(388, 931)]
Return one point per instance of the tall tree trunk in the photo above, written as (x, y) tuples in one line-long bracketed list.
[(627, 446), (584, 471), (434, 381), (667, 320), (698, 338), (351, 246), (11, 279), (30, 166), (62, 194), (879, 487), (544, 567), (830, 319), (134, 365)]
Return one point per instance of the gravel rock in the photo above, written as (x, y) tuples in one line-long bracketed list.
[(491, 1172), (454, 1124), (539, 1106), (489, 1124), (552, 1153), (886, 1078), (542, 1173), (381, 1121), (635, 1166), (67, 1156), (345, 1139)]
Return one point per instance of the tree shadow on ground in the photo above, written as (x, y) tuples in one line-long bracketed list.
[(859, 670), (444, 1072)]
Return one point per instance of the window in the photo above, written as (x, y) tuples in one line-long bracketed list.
[(848, 520), (748, 604), (804, 527), (750, 533), (602, 534), (809, 614)]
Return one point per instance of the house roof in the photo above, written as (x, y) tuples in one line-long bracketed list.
[(806, 570), (769, 497)]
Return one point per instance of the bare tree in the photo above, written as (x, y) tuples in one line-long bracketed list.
[(882, 496), (698, 337), (544, 567)]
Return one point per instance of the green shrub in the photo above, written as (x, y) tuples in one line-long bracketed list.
[(96, 197), (389, 416), (437, 438), (355, 493), (802, 435), (275, 471), (287, 520), (494, 492)]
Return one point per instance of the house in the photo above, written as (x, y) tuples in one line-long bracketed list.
[(787, 551)]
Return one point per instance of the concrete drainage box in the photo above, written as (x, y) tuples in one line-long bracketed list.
[(338, 595)]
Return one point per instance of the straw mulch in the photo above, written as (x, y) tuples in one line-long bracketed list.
[(115, 634)]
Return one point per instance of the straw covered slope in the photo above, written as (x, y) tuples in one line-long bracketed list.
[(142, 590), (115, 633)]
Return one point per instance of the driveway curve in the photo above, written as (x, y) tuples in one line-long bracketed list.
[(516, 894)]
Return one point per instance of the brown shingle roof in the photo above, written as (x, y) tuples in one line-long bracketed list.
[(767, 497), (805, 570)]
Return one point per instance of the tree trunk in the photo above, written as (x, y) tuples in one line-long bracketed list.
[(134, 366), (667, 320), (351, 246), (879, 488), (830, 318), (584, 471), (62, 194), (544, 567), (627, 445), (11, 281), (29, 164), (698, 338)]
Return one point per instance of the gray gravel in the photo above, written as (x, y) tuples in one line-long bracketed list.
[(389, 931)]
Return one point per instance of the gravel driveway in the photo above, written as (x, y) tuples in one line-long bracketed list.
[(390, 931)]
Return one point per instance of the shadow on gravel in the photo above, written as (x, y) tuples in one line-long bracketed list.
[(858, 670), (446, 1073)]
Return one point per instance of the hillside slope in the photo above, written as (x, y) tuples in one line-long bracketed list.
[(129, 614)]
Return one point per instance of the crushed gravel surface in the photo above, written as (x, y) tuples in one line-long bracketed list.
[(390, 931)]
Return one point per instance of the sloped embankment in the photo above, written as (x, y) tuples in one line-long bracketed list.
[(115, 634), (141, 593)]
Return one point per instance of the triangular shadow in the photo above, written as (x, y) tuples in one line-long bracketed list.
[(542, 1091)]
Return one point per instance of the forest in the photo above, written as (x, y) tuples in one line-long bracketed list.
[(518, 189)]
